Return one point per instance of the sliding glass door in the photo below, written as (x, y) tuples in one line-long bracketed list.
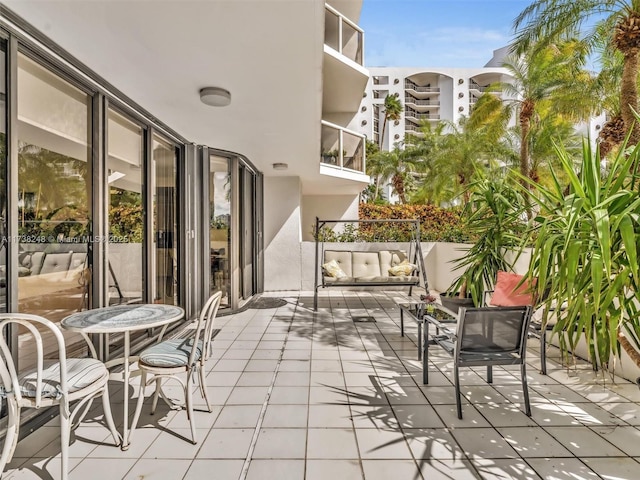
[(165, 221), (4, 242), (54, 195), (220, 226), (126, 217), (247, 211)]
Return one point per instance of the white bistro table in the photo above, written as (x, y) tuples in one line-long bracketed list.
[(122, 319)]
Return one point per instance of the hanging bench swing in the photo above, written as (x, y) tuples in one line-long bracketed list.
[(369, 268)]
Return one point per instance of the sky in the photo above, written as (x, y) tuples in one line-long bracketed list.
[(436, 33)]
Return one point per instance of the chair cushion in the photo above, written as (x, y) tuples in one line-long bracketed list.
[(171, 353), (81, 372), (507, 295)]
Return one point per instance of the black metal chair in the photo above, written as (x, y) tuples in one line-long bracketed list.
[(537, 327), (486, 337)]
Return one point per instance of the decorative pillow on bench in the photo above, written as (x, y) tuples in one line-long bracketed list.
[(332, 269), (404, 268)]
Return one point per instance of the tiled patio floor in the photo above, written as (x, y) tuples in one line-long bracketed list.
[(318, 396)]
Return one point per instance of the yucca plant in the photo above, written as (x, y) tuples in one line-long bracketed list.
[(586, 252), (495, 216)]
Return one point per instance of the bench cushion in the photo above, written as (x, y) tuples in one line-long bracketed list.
[(391, 258), (343, 258), (362, 268), (366, 264)]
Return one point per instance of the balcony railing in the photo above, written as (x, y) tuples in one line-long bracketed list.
[(422, 116), (342, 148), (343, 35), (408, 84), (415, 101), (474, 86)]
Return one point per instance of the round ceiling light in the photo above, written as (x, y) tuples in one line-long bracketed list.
[(215, 96)]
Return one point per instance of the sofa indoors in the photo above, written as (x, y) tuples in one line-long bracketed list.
[(50, 276)]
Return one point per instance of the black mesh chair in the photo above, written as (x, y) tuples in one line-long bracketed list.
[(486, 337)]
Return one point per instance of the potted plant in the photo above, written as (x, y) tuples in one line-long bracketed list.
[(495, 217), (331, 157), (586, 253)]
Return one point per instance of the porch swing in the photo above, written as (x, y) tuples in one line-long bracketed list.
[(367, 267)]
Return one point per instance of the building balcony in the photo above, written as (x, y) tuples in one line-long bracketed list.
[(414, 87), (410, 100), (344, 78), (418, 117), (342, 149), (474, 87), (343, 35)]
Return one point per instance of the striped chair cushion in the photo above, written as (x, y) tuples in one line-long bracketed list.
[(171, 353), (81, 372)]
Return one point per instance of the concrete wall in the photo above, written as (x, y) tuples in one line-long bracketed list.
[(326, 207), (282, 233)]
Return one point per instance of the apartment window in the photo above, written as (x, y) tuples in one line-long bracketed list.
[(381, 80), (380, 93)]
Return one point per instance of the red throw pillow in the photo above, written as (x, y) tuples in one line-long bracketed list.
[(507, 295)]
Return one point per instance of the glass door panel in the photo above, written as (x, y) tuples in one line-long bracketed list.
[(3, 177), (247, 227), (126, 217), (54, 198), (219, 226), (165, 255)]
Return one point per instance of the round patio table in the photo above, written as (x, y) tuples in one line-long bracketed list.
[(122, 319)]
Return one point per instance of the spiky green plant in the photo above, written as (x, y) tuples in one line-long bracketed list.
[(495, 216), (586, 252)]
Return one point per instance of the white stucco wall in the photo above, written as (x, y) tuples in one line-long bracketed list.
[(326, 207), (282, 233)]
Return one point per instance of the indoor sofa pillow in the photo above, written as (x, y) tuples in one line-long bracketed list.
[(332, 269), (507, 295)]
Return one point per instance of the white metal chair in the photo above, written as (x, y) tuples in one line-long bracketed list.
[(169, 359), (50, 382)]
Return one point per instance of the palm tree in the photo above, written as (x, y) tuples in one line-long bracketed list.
[(546, 21), (392, 111), (373, 170), (464, 148), (395, 165), (547, 83), (606, 93)]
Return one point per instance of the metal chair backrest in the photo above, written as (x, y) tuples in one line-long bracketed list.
[(8, 370), (493, 330), (204, 329)]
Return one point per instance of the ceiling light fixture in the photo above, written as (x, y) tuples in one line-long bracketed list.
[(280, 166), (215, 96)]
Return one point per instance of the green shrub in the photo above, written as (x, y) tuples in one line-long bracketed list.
[(436, 225)]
